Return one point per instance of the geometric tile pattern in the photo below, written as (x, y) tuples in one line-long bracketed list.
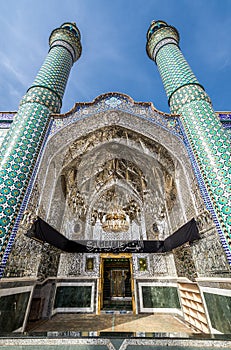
[(175, 72), (49, 99), (6, 251), (211, 146), (205, 194), (188, 93), (56, 58), (225, 118), (162, 43), (23, 141), (208, 139), (18, 154), (160, 36)]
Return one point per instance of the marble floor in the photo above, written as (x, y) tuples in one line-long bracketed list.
[(148, 323)]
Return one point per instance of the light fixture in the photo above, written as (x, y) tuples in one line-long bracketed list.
[(115, 220)]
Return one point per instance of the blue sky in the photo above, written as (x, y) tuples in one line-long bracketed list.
[(114, 47)]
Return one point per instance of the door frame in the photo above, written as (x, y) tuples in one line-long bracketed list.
[(101, 279)]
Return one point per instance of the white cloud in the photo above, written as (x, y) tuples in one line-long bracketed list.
[(7, 64)]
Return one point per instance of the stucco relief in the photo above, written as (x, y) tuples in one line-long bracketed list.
[(118, 160)]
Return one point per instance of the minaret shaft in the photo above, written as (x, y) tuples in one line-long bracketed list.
[(59, 63), (175, 71), (209, 141), (22, 144)]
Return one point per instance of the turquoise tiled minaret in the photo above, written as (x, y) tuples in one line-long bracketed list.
[(22, 144), (208, 141)]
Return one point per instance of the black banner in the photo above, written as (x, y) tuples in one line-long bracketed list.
[(43, 232)]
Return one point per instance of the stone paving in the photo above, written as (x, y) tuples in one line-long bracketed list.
[(154, 323), (112, 332)]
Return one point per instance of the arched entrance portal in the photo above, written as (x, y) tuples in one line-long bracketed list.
[(117, 181)]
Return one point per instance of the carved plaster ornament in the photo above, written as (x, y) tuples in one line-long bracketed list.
[(170, 190), (104, 135), (94, 168), (27, 220)]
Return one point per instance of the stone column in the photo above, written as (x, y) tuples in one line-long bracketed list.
[(22, 144), (209, 141)]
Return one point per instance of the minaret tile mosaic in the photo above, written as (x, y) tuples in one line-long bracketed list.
[(22, 144), (208, 139)]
